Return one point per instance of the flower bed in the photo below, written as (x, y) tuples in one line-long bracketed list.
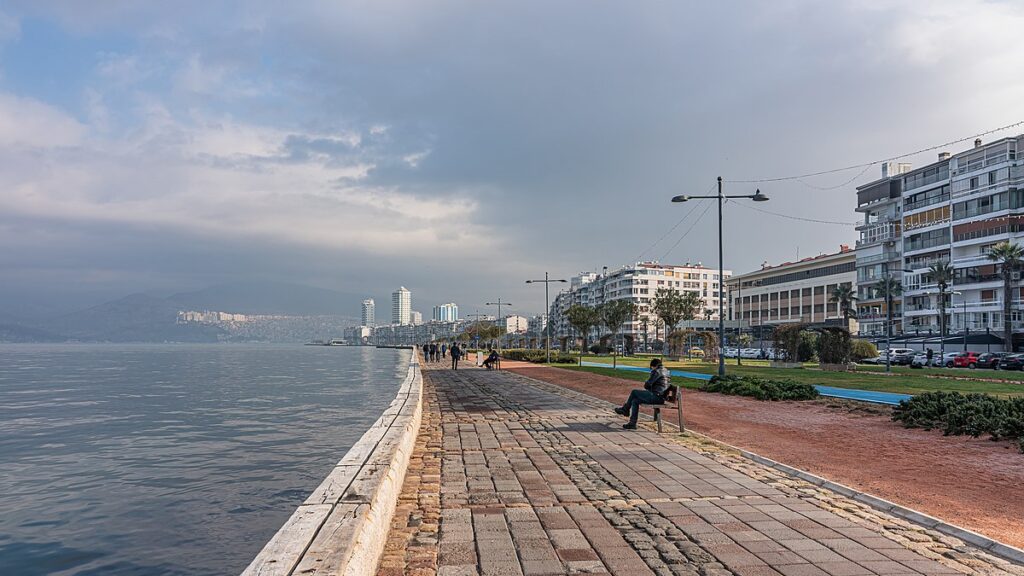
[(760, 388), (959, 414)]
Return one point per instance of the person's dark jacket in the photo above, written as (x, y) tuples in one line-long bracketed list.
[(456, 352), (659, 381)]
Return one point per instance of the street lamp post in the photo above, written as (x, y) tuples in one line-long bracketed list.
[(499, 304), (547, 310), (756, 197)]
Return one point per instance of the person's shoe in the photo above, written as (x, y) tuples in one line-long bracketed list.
[(629, 426), (620, 411)]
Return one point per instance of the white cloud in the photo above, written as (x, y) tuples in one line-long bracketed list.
[(413, 160), (25, 122), (225, 179)]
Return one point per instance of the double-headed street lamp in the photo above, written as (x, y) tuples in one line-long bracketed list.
[(547, 310), (756, 197), (499, 304)]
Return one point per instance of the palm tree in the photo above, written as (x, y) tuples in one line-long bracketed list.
[(942, 273), (1009, 257), (844, 295), (889, 288)]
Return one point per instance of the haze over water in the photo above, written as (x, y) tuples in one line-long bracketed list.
[(171, 459)]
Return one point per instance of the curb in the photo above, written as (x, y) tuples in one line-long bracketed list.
[(342, 527), (994, 547)]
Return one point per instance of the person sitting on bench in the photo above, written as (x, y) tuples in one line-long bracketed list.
[(655, 390), (492, 360)]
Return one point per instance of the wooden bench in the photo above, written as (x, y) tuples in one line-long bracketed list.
[(672, 397)]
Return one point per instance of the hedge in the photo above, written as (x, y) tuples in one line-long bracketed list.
[(959, 414), (760, 388), (538, 356)]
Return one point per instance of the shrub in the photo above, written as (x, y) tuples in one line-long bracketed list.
[(599, 349), (786, 339), (760, 388), (538, 356), (862, 349), (808, 346), (959, 414), (834, 346)]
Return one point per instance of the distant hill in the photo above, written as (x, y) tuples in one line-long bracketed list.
[(18, 333), (269, 298), (134, 318)]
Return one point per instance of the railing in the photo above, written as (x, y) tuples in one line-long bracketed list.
[(929, 243)]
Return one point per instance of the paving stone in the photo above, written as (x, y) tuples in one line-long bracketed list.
[(513, 476)]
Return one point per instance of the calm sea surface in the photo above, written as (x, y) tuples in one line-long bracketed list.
[(171, 459)]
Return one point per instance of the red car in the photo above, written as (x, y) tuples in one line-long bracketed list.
[(966, 360)]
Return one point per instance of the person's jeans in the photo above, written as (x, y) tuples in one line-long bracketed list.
[(455, 362), (636, 398)]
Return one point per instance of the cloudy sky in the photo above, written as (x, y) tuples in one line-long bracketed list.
[(455, 147)]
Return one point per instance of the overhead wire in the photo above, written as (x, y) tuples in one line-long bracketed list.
[(792, 217), (688, 230), (876, 162), (688, 213)]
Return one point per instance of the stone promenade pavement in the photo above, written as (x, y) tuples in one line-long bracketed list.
[(513, 476)]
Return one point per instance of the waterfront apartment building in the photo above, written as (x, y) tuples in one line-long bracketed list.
[(445, 313), (415, 318), (401, 306), (513, 324), (880, 248), (955, 210), (367, 318), (793, 291), (637, 283)]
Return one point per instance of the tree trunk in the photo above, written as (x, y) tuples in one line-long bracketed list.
[(1007, 309)]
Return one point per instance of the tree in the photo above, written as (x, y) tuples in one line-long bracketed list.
[(888, 288), (582, 318), (844, 295), (942, 273), (1009, 257), (672, 307), (613, 314)]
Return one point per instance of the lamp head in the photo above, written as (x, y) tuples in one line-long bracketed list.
[(529, 281), (758, 197), (680, 198)]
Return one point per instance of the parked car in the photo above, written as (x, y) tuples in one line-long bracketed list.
[(731, 352), (920, 360), (750, 353), (898, 351), (948, 358), (876, 360), (902, 358), (966, 360), (1012, 362), (990, 360)]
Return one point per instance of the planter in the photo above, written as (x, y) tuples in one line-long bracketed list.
[(849, 367), (781, 364)]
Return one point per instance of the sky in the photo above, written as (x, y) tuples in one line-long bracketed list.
[(459, 148)]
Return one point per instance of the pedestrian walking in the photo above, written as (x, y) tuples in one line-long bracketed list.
[(433, 351), (426, 352), (444, 350), (456, 354)]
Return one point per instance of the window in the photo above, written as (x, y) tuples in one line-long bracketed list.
[(926, 198), (974, 183)]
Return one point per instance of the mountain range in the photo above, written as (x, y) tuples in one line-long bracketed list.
[(148, 318)]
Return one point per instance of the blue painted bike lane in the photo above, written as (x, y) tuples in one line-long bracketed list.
[(889, 398)]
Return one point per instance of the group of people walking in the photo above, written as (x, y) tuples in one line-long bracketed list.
[(434, 352)]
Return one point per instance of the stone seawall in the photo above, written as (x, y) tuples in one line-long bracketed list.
[(342, 526)]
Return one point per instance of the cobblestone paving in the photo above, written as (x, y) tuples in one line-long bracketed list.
[(536, 479)]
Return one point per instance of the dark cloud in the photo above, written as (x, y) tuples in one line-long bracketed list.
[(530, 136)]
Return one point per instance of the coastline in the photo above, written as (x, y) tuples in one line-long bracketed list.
[(342, 526)]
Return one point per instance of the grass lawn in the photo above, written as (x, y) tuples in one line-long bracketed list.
[(903, 380)]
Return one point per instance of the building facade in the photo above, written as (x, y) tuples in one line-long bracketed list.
[(637, 283), (955, 210), (445, 313), (368, 316), (793, 291), (401, 306), (415, 318), (880, 248)]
